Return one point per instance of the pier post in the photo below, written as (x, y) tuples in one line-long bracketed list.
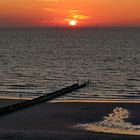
[(78, 81), (20, 96), (88, 83)]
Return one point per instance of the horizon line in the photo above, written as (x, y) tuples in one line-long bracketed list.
[(96, 26)]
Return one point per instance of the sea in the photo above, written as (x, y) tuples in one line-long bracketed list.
[(36, 60)]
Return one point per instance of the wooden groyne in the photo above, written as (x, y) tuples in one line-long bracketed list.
[(41, 99)]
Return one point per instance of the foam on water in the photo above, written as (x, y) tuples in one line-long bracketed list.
[(114, 123)]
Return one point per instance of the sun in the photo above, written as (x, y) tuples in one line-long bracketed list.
[(73, 23)]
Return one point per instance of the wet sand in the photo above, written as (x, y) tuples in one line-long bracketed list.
[(6, 102), (56, 121)]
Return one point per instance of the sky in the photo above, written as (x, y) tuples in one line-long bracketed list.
[(61, 12)]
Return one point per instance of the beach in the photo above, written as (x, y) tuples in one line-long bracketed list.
[(58, 120), (47, 49), (7, 102)]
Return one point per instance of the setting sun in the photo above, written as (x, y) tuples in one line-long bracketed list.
[(73, 23), (69, 13)]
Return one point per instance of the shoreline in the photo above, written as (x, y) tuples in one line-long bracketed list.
[(109, 130), (95, 101), (14, 98), (76, 100), (55, 121)]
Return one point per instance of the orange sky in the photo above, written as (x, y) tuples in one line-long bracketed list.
[(60, 12)]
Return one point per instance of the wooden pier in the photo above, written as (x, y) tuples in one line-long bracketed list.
[(41, 99)]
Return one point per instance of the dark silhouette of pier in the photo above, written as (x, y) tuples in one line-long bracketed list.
[(46, 97)]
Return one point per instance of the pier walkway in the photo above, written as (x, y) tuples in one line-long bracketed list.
[(46, 97)]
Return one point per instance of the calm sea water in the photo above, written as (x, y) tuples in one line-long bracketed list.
[(42, 60)]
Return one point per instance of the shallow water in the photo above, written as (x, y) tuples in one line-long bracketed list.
[(35, 61), (114, 123)]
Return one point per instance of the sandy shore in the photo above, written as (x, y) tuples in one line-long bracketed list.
[(56, 121)]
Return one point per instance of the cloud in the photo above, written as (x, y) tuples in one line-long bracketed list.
[(80, 17), (50, 10), (76, 14), (73, 11)]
